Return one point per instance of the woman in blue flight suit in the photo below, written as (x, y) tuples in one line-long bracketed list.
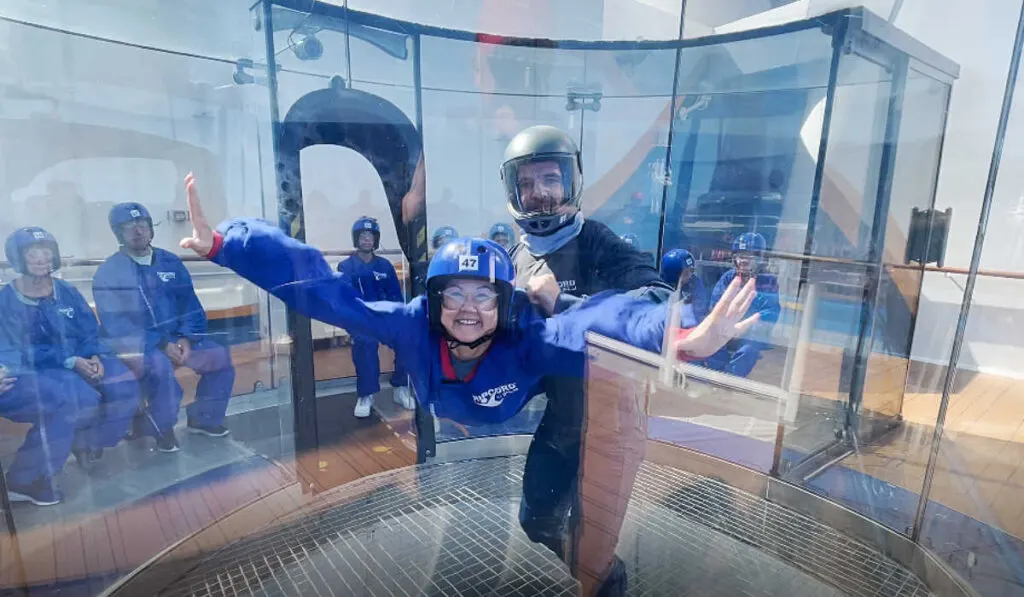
[(677, 270), (375, 280), (474, 346), (83, 396), (739, 356)]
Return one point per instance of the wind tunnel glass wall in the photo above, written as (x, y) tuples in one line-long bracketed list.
[(87, 124)]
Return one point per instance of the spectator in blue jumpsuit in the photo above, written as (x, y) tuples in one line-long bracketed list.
[(739, 356), (153, 318), (502, 234), (375, 280), (59, 375), (677, 267), (441, 236), (474, 347)]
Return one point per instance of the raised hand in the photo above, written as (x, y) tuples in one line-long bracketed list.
[(201, 240), (725, 322)]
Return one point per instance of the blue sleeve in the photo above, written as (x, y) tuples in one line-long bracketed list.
[(392, 289), (10, 347), (557, 345), (767, 301), (116, 306), (298, 275), (719, 290), (700, 299), (191, 315), (88, 329)]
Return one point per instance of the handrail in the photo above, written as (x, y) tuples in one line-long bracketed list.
[(90, 261)]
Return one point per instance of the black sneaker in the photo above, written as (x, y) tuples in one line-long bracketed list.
[(167, 442), (87, 459), (212, 431), (40, 492)]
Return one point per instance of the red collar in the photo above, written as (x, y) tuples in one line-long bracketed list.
[(448, 369)]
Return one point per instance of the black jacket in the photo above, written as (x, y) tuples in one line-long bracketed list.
[(597, 259)]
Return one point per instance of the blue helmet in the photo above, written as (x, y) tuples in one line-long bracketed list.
[(122, 213), (23, 238), (443, 235), (673, 263), (471, 259), (500, 228), (631, 239), (369, 224), (749, 242)]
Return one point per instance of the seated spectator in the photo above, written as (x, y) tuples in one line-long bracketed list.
[(502, 234), (153, 318), (739, 355), (677, 270), (56, 373), (441, 236), (375, 280)]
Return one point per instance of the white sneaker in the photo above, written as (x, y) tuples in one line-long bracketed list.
[(403, 397), (363, 406)]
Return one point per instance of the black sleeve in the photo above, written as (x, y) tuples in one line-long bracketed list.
[(621, 267)]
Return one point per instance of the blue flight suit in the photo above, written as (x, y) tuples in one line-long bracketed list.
[(142, 309), (374, 281), (739, 355), (39, 342), (502, 381)]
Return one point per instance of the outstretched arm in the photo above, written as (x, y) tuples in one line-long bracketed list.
[(553, 343), (294, 272)]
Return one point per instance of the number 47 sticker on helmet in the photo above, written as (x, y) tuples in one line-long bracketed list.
[(469, 262)]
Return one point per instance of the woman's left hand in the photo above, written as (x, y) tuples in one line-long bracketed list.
[(725, 322)]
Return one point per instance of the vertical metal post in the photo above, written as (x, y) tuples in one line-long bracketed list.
[(303, 382), (876, 246), (426, 442), (793, 373), (972, 275), (668, 143), (838, 46)]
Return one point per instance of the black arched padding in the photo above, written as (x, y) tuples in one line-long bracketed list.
[(371, 126)]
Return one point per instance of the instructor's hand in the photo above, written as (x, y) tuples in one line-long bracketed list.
[(724, 323), (543, 291), (201, 240)]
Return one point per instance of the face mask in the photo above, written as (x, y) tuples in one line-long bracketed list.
[(545, 245)]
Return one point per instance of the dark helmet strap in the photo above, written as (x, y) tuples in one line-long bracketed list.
[(453, 343)]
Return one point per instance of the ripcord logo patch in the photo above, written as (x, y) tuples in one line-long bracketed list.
[(495, 396)]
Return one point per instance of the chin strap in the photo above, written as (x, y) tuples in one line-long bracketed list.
[(453, 343)]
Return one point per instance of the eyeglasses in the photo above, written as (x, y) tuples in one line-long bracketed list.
[(454, 298)]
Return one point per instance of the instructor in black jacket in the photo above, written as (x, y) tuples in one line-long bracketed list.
[(543, 179)]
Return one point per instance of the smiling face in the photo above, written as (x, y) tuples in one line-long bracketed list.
[(365, 241), (469, 309), (540, 186), (744, 263), (39, 261)]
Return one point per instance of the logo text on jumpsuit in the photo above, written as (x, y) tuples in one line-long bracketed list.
[(495, 396)]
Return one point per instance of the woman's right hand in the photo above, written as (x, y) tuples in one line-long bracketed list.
[(201, 240)]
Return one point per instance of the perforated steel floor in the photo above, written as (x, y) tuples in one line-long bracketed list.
[(452, 530)]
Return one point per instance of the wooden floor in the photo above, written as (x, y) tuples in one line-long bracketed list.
[(981, 468)]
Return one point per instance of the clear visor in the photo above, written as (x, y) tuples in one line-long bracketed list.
[(540, 185)]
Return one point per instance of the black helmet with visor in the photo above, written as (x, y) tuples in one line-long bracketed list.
[(541, 207)]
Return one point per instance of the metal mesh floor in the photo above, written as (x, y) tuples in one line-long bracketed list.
[(452, 529)]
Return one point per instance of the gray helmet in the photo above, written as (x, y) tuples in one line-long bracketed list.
[(543, 144)]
